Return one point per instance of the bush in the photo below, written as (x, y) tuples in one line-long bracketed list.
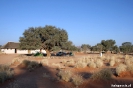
[(26, 62), (92, 65), (5, 73), (38, 54), (69, 63), (130, 67), (65, 75), (120, 68), (127, 62), (112, 63), (80, 65), (117, 60), (99, 63), (104, 74), (77, 80), (32, 65)]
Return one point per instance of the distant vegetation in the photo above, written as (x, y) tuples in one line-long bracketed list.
[(52, 38)]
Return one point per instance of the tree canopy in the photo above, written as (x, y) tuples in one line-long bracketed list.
[(126, 47), (108, 44), (85, 47), (43, 38)]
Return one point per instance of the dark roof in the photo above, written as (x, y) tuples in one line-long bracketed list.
[(11, 45)]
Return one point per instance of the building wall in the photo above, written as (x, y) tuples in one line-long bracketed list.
[(12, 51), (34, 51), (22, 51), (8, 51)]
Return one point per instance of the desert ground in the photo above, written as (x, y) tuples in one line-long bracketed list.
[(50, 73)]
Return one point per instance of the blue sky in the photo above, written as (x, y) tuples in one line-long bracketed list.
[(86, 21)]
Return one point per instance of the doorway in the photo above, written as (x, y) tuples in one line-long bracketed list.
[(15, 50)]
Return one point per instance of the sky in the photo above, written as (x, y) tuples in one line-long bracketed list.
[(86, 21)]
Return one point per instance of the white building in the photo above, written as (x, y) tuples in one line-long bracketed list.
[(12, 48)]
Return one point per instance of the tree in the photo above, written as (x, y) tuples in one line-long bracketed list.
[(126, 47), (85, 47), (43, 38), (115, 49), (108, 44), (99, 47), (93, 48)]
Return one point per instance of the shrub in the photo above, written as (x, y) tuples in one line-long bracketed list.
[(5, 73), (120, 68), (44, 62), (112, 58), (80, 65), (26, 62), (104, 74), (117, 60), (65, 75), (99, 63), (108, 58), (38, 54), (30, 64), (33, 64), (77, 80), (69, 64), (130, 67), (92, 65), (127, 62), (112, 63)]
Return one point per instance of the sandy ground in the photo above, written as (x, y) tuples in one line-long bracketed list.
[(7, 58), (25, 79)]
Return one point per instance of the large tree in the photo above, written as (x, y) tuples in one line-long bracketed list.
[(108, 44), (43, 38), (126, 47)]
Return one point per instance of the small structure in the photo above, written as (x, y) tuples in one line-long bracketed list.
[(13, 48), (101, 54)]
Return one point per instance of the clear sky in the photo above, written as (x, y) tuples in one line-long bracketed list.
[(86, 21)]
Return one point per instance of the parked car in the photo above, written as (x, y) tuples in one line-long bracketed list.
[(61, 54)]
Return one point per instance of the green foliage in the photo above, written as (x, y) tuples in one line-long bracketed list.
[(104, 74), (115, 49), (5, 73), (108, 44), (93, 48), (99, 47), (56, 48), (38, 54), (43, 38), (126, 47)]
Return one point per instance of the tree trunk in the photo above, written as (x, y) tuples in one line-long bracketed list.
[(40, 50), (48, 53)]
